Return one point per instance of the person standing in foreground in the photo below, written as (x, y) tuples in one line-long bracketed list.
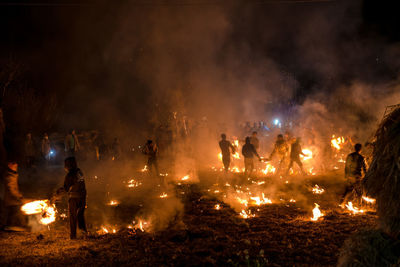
[(354, 170), (74, 186), (226, 149), (13, 199), (248, 151)]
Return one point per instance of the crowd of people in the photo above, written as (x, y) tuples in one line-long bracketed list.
[(286, 151), (49, 150), (355, 163)]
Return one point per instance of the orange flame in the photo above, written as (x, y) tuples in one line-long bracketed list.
[(316, 213), (43, 207)]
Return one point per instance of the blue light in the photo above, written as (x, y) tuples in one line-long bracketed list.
[(276, 121), (51, 152)]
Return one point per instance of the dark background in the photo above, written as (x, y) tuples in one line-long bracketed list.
[(61, 51)]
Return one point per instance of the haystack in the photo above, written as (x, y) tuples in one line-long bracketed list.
[(382, 180), (380, 247)]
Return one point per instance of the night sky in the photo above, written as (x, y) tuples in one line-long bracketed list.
[(64, 46)]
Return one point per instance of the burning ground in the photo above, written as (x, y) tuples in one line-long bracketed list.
[(197, 223)]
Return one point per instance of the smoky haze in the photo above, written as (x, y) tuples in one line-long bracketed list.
[(233, 63)]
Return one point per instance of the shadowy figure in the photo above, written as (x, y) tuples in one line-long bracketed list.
[(151, 150), (281, 149), (226, 149), (14, 219), (248, 151), (295, 153), (354, 170), (74, 186)]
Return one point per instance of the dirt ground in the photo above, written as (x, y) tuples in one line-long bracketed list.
[(280, 234)]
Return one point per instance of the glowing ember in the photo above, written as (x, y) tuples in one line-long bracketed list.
[(316, 213), (145, 168), (246, 215), (260, 201), (242, 201), (308, 154), (337, 142), (163, 195), (113, 203), (43, 207), (217, 207), (184, 178), (353, 209), (141, 225), (104, 230), (368, 199), (133, 183), (317, 190)]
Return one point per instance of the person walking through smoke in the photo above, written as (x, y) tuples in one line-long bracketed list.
[(281, 149), (74, 186), (295, 153), (151, 150), (248, 151), (226, 149), (354, 169)]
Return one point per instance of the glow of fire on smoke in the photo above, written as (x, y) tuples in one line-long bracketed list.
[(308, 154), (336, 142), (186, 177)]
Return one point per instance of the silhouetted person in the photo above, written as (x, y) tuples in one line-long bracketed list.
[(280, 149), (249, 151), (354, 170), (74, 186), (295, 153), (151, 150), (13, 199), (46, 147), (226, 149), (71, 143)]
